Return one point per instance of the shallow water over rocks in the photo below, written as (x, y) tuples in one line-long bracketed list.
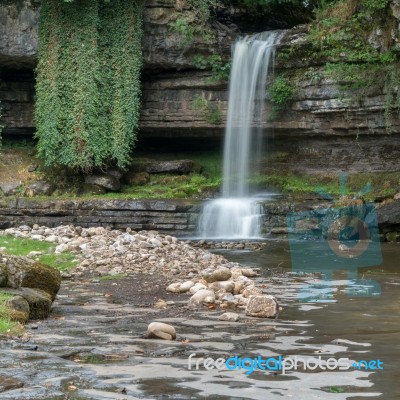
[(93, 346)]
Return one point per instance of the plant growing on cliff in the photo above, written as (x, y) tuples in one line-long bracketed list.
[(195, 23), (281, 92), (220, 69), (210, 110), (88, 82)]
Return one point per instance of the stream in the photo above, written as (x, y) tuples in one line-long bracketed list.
[(93, 347)]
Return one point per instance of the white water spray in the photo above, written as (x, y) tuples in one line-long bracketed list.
[(237, 215)]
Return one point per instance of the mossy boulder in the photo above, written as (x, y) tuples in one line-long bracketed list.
[(17, 309), (3, 275), (24, 272), (38, 300)]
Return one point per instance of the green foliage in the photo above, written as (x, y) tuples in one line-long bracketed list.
[(194, 24), (342, 28), (382, 183), (220, 69), (281, 92), (88, 82), (1, 125), (188, 29), (211, 111)]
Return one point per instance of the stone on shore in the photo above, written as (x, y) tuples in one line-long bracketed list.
[(203, 296), (219, 274), (265, 306), (228, 286), (186, 286), (196, 287), (24, 272), (39, 301), (17, 309), (159, 330), (251, 290)]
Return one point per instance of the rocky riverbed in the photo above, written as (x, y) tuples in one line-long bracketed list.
[(95, 346), (208, 278)]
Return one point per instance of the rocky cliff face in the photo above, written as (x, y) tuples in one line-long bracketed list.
[(319, 131)]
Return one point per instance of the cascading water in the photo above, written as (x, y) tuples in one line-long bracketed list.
[(237, 214)]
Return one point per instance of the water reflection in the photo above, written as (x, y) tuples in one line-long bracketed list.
[(360, 327)]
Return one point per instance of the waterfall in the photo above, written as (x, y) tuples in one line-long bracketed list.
[(238, 214)]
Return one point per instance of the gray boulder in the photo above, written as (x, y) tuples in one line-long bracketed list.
[(39, 301), (24, 272), (9, 188), (171, 167), (39, 188), (107, 182)]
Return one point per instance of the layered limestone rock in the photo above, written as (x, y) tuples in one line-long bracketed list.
[(320, 130)]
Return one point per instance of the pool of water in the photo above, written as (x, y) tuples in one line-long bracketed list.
[(363, 327)]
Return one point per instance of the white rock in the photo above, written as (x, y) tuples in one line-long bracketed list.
[(37, 237), (186, 286), (198, 286), (202, 296), (52, 238), (168, 238), (229, 316), (61, 248), (174, 287), (155, 242), (228, 286), (159, 330)]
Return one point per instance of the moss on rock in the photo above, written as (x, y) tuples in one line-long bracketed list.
[(39, 301), (23, 272)]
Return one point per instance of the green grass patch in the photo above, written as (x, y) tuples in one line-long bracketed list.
[(367, 185), (8, 327), (22, 247), (62, 262)]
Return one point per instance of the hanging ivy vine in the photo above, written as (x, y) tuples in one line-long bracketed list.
[(88, 82)]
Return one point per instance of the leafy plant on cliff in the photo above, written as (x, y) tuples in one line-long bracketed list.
[(220, 69), (281, 92), (88, 82), (194, 23), (210, 110)]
